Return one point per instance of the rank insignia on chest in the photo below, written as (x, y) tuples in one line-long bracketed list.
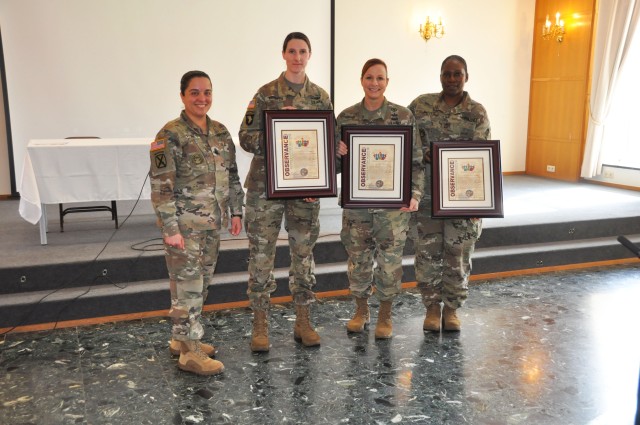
[(160, 160), (198, 159)]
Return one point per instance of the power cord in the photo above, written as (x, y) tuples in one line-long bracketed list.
[(80, 274), (150, 246)]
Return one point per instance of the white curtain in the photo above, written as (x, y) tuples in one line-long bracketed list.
[(617, 21)]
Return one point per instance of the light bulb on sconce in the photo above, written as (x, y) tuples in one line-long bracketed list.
[(553, 31), (430, 29)]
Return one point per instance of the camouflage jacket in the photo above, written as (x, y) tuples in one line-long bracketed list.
[(389, 114), (273, 96), (438, 121), (194, 176)]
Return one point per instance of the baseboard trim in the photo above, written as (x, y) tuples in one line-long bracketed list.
[(614, 185)]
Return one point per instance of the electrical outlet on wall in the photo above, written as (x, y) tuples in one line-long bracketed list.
[(551, 168), (607, 174)]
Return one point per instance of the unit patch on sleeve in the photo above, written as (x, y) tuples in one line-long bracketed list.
[(160, 160), (248, 118)]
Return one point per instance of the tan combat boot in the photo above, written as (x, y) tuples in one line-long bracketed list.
[(361, 317), (174, 348), (260, 333), (450, 321), (193, 359), (302, 330), (432, 320), (384, 327)]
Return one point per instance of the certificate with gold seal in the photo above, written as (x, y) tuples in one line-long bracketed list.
[(376, 173), (300, 152), (466, 179), (375, 167)]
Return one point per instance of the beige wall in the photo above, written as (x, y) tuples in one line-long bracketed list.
[(494, 36), (111, 68)]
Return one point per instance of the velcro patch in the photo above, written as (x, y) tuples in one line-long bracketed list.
[(252, 104), (157, 145)]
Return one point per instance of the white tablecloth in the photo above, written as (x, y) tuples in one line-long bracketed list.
[(82, 170)]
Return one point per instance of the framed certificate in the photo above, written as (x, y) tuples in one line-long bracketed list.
[(376, 173), (300, 154), (466, 179)]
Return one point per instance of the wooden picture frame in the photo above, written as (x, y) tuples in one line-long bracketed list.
[(300, 154), (466, 180), (376, 172)]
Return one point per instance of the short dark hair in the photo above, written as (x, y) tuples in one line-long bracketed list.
[(455, 58), (186, 78), (295, 36), (371, 62)]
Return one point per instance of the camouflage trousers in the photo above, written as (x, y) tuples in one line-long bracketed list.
[(190, 274), (263, 220), (443, 249), (379, 235)]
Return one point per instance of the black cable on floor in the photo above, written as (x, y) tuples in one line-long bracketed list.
[(79, 275)]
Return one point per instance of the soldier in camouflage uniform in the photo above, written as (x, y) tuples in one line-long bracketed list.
[(194, 184), (263, 218), (375, 233), (443, 247)]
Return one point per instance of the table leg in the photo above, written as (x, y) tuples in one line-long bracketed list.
[(43, 225)]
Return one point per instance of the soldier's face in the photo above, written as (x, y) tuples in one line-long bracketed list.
[(452, 78), (374, 82), (197, 98), (296, 55)]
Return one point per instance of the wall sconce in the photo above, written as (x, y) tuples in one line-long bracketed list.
[(430, 29), (555, 31)]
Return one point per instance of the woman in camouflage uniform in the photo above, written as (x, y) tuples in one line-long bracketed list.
[(375, 233), (194, 183), (263, 217), (443, 247)]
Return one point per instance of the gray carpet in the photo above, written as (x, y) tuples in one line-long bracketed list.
[(527, 200)]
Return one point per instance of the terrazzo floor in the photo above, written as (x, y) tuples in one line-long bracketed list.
[(558, 348)]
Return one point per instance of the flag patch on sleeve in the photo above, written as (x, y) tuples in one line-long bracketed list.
[(157, 145)]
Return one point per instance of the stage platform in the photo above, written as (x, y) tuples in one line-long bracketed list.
[(535, 348), (92, 270)]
